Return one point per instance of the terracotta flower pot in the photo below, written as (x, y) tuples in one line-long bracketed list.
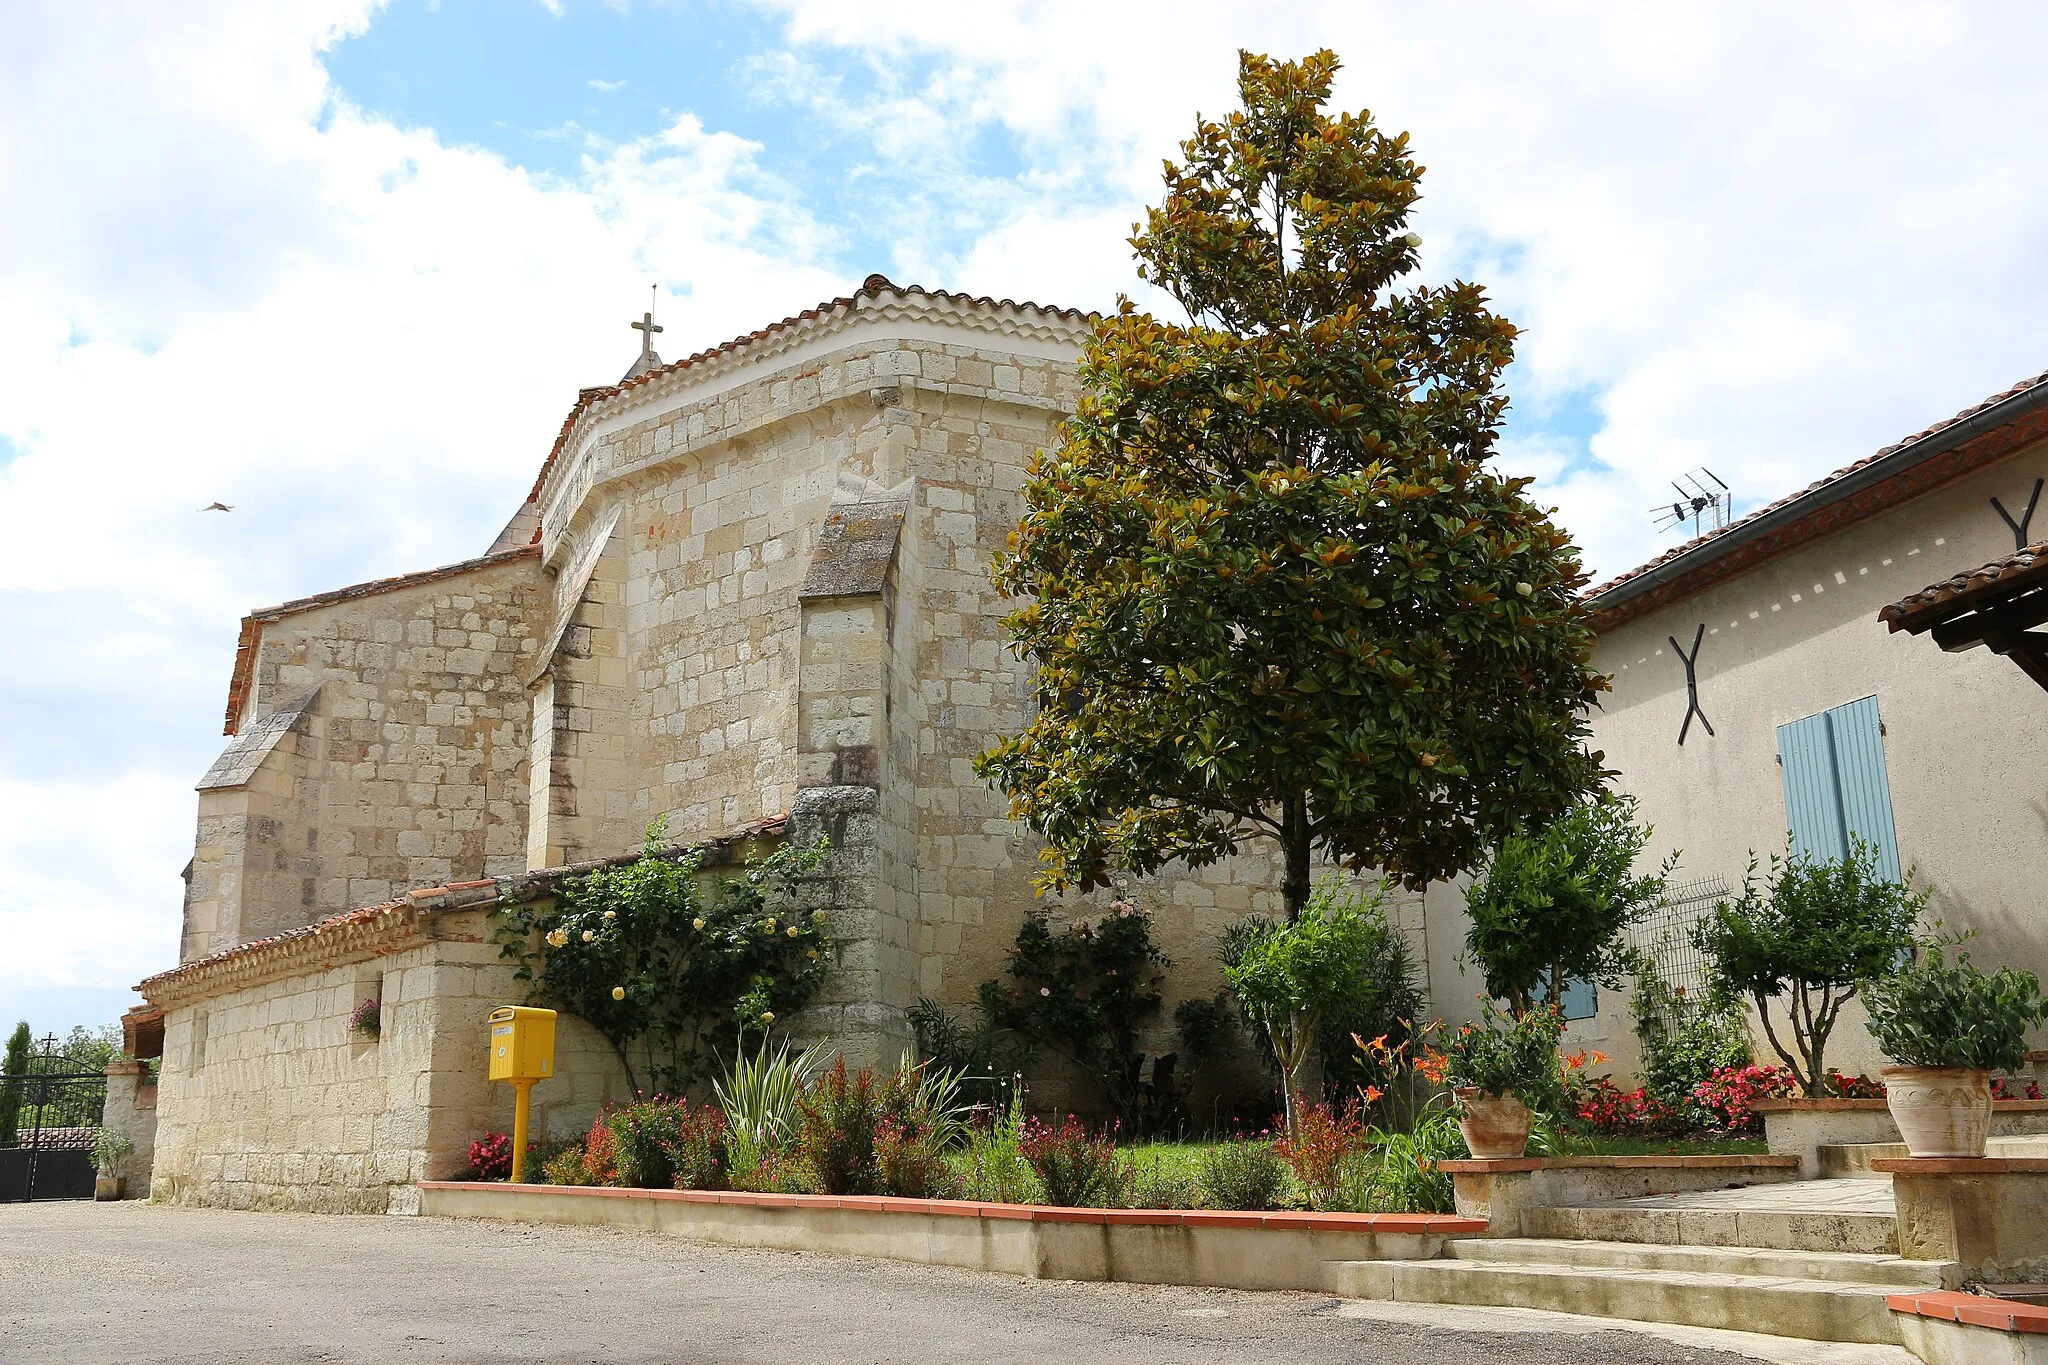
[(109, 1187), (1493, 1127), (1940, 1110)]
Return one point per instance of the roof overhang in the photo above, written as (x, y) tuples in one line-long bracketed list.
[(1863, 490), (1998, 607)]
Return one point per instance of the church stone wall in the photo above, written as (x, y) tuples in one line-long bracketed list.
[(408, 769), (749, 699), (268, 1101)]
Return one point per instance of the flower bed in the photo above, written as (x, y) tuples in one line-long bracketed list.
[(1216, 1248)]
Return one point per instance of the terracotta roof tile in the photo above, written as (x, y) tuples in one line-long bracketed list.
[(870, 287), (1735, 531), (487, 892), (1951, 592)]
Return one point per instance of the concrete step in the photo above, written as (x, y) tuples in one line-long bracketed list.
[(1870, 1234), (1815, 1309), (1895, 1273)]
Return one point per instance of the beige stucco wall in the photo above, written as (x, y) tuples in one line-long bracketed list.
[(1966, 735), (268, 1101)]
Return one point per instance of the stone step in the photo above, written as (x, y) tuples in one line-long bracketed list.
[(1872, 1234), (1893, 1272), (1819, 1310)]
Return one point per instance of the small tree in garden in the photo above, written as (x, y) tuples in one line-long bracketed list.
[(1293, 975), (1273, 589), (19, 1044), (671, 976), (1809, 935), (1552, 904)]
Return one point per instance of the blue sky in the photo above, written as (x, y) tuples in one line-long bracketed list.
[(344, 264)]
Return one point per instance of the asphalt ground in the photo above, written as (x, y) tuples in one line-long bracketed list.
[(85, 1283)]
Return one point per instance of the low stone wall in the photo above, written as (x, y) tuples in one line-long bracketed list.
[(1135, 1246), (268, 1101), (1497, 1191), (1987, 1214), (1971, 1329), (131, 1110)]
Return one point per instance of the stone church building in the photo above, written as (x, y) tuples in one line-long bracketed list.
[(750, 592)]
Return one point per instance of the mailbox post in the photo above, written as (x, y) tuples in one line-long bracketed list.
[(522, 1052)]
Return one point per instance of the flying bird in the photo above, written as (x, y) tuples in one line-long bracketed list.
[(216, 507)]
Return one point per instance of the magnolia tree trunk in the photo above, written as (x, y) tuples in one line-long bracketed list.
[(1293, 1048)]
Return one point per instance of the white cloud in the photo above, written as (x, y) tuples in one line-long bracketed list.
[(1765, 239), (605, 87), (234, 287)]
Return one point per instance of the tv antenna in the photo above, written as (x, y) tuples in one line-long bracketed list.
[(1703, 500)]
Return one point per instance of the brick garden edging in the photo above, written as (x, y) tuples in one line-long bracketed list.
[(1214, 1248), (1943, 1327)]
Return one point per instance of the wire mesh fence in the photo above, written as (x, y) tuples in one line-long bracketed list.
[(1665, 934)]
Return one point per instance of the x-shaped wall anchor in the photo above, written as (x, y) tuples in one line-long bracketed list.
[(1692, 682), (2019, 528)]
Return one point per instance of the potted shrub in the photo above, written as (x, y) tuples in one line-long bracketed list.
[(1495, 1069), (110, 1148), (1948, 1025)]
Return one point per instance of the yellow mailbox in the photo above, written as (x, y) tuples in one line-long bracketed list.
[(522, 1043), (522, 1052)]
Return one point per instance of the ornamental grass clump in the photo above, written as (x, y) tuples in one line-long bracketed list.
[(994, 1168), (1941, 1013), (1400, 1174), (1076, 1166), (1243, 1173)]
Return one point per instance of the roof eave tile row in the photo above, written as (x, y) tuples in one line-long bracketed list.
[(393, 925), (1734, 534)]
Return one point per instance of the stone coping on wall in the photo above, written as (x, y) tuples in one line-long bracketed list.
[(1837, 1105), (1961, 1165), (1440, 1224), (1977, 1310), (1701, 1162)]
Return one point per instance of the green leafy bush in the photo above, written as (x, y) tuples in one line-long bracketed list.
[(1503, 1055), (1551, 906), (1937, 1012), (1166, 1185), (669, 974), (1814, 932), (1319, 977), (1243, 1174)]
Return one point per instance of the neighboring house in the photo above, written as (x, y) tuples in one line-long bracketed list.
[(1814, 721)]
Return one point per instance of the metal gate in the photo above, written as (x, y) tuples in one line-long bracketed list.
[(49, 1116)]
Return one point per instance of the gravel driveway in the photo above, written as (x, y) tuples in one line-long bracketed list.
[(88, 1283)]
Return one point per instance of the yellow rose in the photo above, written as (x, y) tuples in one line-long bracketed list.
[(589, 934), (792, 931), (767, 1017), (817, 916), (559, 938), (618, 992), (697, 923), (611, 914)]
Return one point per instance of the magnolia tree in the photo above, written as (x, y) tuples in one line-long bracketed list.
[(1272, 588)]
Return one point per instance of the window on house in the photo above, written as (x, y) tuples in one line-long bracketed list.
[(1835, 784), (1581, 999)]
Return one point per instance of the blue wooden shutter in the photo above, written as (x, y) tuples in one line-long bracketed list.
[(1835, 785)]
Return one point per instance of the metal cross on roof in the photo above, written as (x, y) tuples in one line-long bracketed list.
[(647, 327)]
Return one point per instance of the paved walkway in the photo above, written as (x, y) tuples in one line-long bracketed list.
[(97, 1284), (1868, 1194)]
